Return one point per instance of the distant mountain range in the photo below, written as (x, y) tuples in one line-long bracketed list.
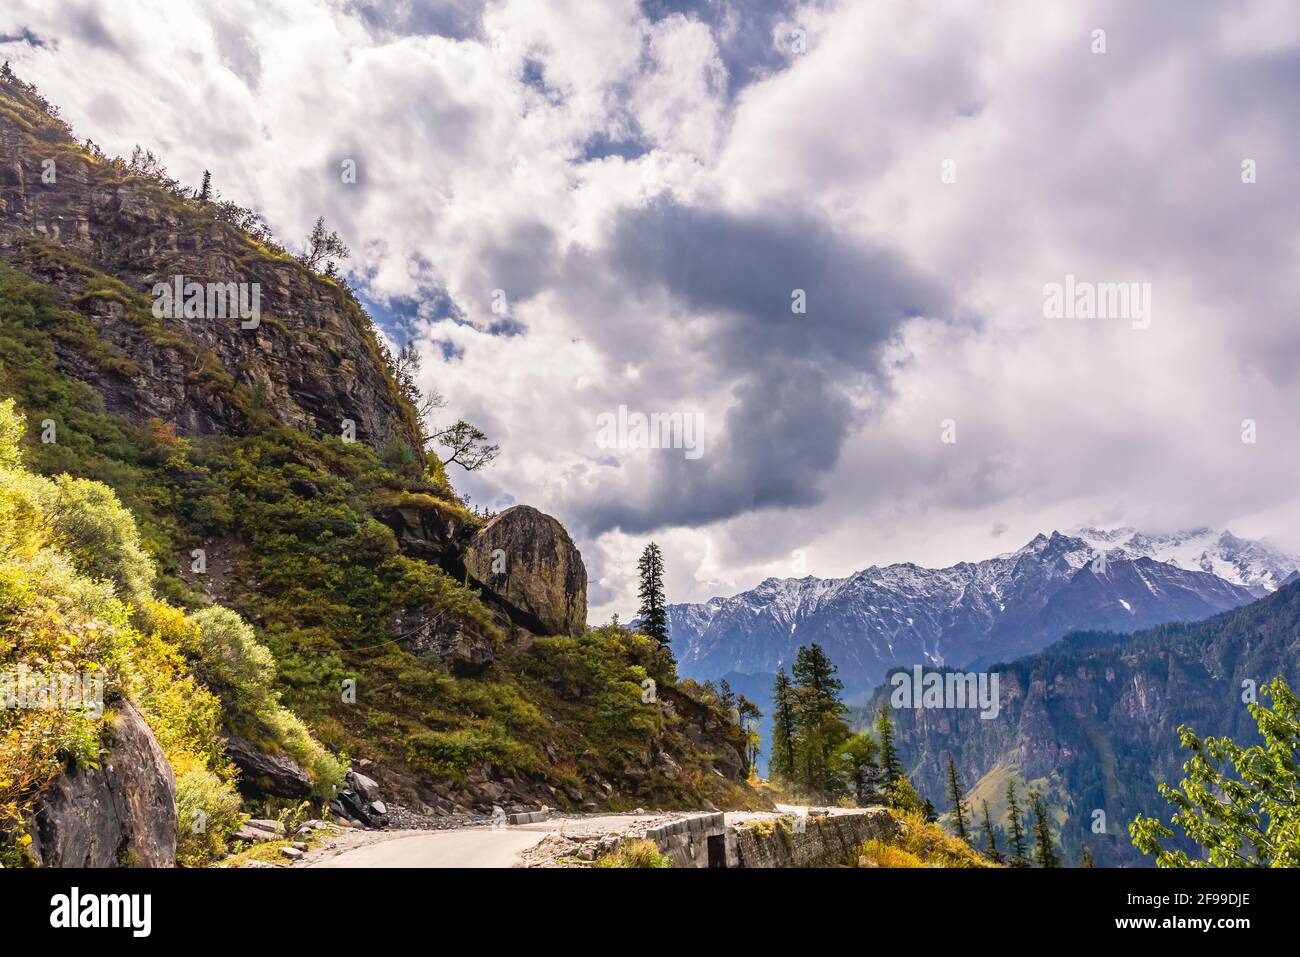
[(1093, 720), (976, 612)]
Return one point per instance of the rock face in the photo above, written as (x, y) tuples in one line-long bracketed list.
[(311, 362), (437, 636), (263, 773), (121, 815), (528, 562)]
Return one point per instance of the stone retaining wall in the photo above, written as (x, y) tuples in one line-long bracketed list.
[(687, 841), (825, 842)]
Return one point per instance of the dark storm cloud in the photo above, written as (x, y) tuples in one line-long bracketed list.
[(746, 270), (792, 378)]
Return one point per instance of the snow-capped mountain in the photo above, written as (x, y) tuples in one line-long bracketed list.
[(968, 614), (1256, 565)]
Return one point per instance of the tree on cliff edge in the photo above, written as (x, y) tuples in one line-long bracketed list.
[(654, 617)]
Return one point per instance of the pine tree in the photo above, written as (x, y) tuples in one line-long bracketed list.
[(1043, 851), (1087, 860), (819, 718), (931, 814), (993, 853), (654, 617), (958, 799), (784, 732), (1016, 827), (749, 714), (205, 191), (727, 697), (888, 751)]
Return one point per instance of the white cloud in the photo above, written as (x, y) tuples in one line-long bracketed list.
[(621, 270)]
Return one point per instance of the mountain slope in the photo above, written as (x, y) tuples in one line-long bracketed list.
[(968, 613), (1093, 719), (349, 557), (1258, 566)]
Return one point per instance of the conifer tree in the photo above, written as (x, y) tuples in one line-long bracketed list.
[(819, 718), (958, 799), (205, 191), (1043, 851), (931, 814), (784, 732), (1016, 828), (654, 617), (992, 851), (888, 751)]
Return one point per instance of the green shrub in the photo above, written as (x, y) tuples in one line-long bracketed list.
[(93, 528), (229, 657), (207, 813), (70, 562)]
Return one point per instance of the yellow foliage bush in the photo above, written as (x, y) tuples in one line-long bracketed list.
[(76, 598), (877, 853)]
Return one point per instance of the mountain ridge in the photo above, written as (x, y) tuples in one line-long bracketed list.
[(965, 613)]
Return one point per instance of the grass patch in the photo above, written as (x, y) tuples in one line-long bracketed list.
[(641, 854)]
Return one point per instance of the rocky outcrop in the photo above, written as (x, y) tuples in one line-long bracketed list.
[(359, 802), (427, 529), (121, 814), (527, 561), (262, 773), (435, 635), (311, 362)]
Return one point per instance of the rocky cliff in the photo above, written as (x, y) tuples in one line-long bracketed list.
[(101, 238)]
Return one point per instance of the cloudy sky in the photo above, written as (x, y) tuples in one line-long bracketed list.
[(649, 183)]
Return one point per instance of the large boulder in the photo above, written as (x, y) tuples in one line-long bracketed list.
[(262, 773), (527, 560), (121, 814)]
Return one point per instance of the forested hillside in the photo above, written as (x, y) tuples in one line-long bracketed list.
[(1093, 720)]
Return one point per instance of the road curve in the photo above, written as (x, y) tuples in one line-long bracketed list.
[(469, 847)]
